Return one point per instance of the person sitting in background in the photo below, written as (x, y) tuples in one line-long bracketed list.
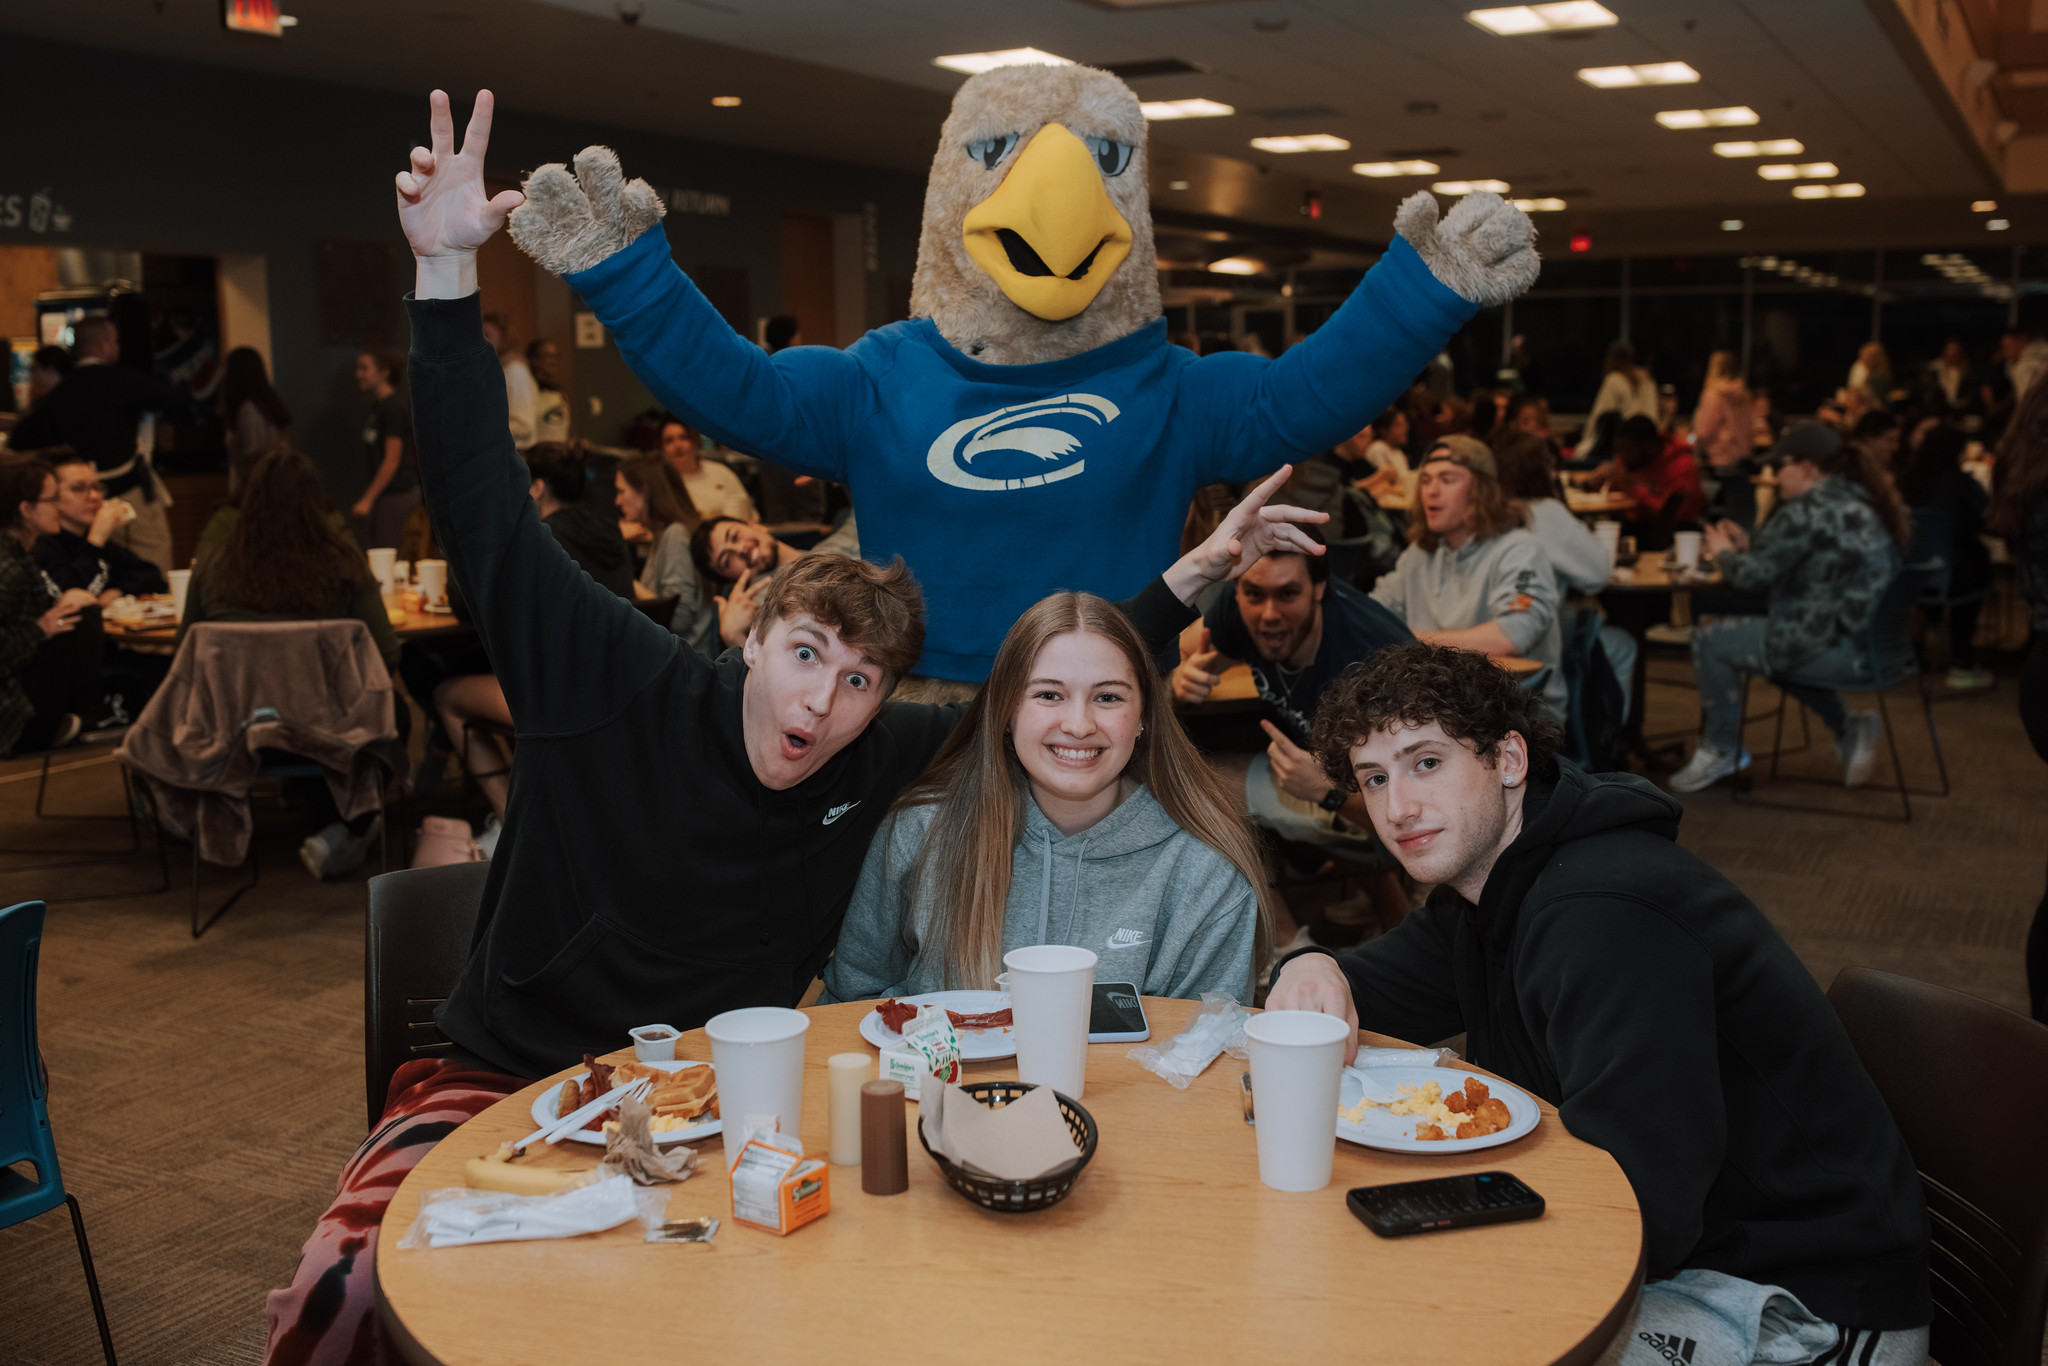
[(1657, 472), (522, 395), (1934, 479), (284, 560), (1951, 385), (1724, 421), (254, 420), (651, 496), (51, 643), (1626, 390), (1877, 435), (782, 333), (736, 559), (47, 367), (550, 404), (1071, 771), (1473, 576), (1485, 411), (1386, 452), (556, 479), (1591, 960), (1298, 630), (1524, 413), (392, 470), (713, 487), (96, 411), (1574, 552), (81, 553), (1824, 559), (1871, 376)]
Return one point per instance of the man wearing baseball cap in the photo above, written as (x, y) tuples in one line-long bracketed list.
[(1473, 577)]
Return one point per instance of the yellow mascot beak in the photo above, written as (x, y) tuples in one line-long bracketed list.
[(1049, 236)]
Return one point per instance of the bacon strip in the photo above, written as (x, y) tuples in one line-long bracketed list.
[(991, 1019)]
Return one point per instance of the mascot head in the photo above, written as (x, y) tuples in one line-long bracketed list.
[(1037, 235)]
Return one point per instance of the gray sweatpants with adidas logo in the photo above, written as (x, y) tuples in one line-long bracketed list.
[(1703, 1318)]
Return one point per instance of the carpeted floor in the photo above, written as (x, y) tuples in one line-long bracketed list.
[(204, 1095)]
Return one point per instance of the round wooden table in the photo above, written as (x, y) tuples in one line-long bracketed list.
[(1168, 1246)]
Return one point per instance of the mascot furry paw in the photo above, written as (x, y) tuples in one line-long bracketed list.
[(1029, 428)]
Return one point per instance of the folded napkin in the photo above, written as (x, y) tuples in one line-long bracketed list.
[(1025, 1139), (454, 1218)]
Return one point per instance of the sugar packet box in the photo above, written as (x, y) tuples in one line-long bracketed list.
[(777, 1190), (930, 1048)]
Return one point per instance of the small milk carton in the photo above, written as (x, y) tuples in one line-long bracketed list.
[(778, 1190), (930, 1048)]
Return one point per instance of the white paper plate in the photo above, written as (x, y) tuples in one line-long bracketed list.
[(975, 1046), (544, 1111), (1396, 1133)]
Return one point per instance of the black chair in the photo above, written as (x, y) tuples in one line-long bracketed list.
[(1937, 1055), (1891, 660), (416, 940)]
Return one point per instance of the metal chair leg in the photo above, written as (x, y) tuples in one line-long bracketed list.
[(1884, 714), (92, 1280), (1933, 735), (255, 875)]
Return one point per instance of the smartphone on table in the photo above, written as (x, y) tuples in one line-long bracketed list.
[(1117, 1015), (1404, 1207)]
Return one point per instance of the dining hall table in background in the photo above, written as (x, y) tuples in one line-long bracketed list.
[(1582, 504), (1637, 597), (1168, 1246), (408, 623)]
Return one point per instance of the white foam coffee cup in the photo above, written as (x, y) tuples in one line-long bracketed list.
[(1297, 1059), (1052, 987), (759, 1054), (1685, 549), (433, 576), (181, 584)]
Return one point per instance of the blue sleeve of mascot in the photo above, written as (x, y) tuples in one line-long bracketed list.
[(795, 408), (1258, 413)]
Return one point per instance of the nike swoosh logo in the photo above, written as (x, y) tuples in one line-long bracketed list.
[(836, 812), (1128, 939)]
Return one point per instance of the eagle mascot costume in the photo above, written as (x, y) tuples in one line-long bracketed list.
[(1030, 428)]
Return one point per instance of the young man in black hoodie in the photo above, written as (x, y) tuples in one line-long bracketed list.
[(682, 835), (1591, 960)]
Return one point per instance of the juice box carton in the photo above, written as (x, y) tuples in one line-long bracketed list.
[(779, 1191)]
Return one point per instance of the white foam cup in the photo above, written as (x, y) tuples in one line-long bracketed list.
[(181, 584), (433, 575), (1051, 990), (1608, 533), (1685, 549), (759, 1054), (382, 560), (1297, 1061)]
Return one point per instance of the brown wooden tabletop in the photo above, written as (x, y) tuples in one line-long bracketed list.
[(1588, 504), (1653, 574), (416, 625), (1168, 1246)]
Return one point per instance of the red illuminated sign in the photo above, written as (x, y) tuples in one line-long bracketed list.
[(1581, 242), (252, 16)]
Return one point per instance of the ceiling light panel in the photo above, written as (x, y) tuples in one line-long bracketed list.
[(1302, 142), (1237, 265), (1382, 169), (1984, 206), (1455, 187), (1850, 190), (1646, 73), (1184, 109), (1540, 205), (1772, 147), (1511, 20), (974, 63), (1805, 170), (1734, 116)]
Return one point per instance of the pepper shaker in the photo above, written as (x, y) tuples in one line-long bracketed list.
[(885, 1156)]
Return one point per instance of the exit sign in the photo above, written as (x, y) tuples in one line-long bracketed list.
[(253, 16)]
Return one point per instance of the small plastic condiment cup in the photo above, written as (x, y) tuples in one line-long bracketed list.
[(655, 1042)]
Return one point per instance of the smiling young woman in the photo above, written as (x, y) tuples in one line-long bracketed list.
[(1068, 808)]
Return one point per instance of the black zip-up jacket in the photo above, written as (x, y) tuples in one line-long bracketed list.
[(1626, 982), (644, 873), (72, 561)]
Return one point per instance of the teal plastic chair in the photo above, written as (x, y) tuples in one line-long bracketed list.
[(24, 1112)]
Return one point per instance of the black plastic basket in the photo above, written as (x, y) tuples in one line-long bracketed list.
[(1020, 1197)]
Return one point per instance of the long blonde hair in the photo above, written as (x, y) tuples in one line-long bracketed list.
[(978, 788)]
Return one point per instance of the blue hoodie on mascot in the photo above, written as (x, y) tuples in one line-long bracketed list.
[(1030, 428)]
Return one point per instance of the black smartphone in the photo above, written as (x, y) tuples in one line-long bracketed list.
[(1117, 1015), (1446, 1202)]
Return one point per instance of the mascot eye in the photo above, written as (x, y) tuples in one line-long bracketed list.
[(1112, 157), (991, 151)]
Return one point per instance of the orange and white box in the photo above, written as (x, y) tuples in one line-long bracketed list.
[(779, 1191)]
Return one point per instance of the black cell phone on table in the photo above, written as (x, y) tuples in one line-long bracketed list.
[(1405, 1207), (1117, 1015)]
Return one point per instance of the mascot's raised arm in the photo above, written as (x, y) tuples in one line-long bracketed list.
[(1030, 428)]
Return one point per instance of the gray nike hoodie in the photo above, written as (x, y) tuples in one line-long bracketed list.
[(1156, 905)]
